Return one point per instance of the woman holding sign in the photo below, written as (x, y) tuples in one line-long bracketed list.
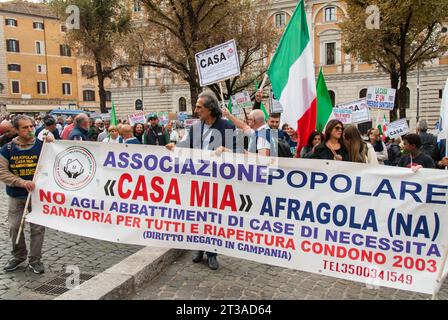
[(333, 147), (378, 145)]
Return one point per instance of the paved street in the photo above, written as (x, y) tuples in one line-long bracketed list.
[(59, 250), (240, 279)]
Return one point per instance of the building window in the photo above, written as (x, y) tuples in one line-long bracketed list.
[(38, 25), (66, 89), (15, 86), (66, 70), (363, 93), (65, 50), (280, 20), (12, 45), (87, 71), (41, 68), (88, 95), (108, 96), (63, 28), (441, 94), (182, 105), (330, 53), (137, 5), (332, 97), (11, 22), (39, 47), (41, 87), (330, 14), (14, 67)]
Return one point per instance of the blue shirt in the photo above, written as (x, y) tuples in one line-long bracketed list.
[(22, 163), (132, 141)]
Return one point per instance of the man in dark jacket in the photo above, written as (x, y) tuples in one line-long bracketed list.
[(211, 133), (428, 140), (49, 126), (81, 128), (155, 135)]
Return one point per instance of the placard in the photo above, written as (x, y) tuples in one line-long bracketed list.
[(241, 100), (276, 106), (360, 110), (218, 63), (397, 128), (381, 98), (138, 117), (343, 115)]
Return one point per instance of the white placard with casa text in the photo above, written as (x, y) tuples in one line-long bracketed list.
[(218, 63)]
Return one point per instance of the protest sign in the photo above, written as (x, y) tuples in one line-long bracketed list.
[(397, 129), (381, 98), (240, 101), (276, 106), (172, 116), (182, 116), (372, 224), (343, 115), (138, 117), (218, 63), (190, 122), (360, 111)]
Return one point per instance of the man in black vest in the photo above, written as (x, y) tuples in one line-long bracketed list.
[(155, 136)]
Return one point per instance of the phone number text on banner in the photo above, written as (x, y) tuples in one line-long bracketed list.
[(374, 224)]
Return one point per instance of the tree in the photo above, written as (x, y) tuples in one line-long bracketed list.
[(409, 35), (99, 38), (180, 29)]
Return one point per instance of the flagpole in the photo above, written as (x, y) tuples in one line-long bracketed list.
[(264, 82), (222, 93), (25, 209)]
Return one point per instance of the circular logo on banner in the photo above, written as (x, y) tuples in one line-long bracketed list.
[(74, 168)]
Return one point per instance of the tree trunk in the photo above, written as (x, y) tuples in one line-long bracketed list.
[(102, 91), (402, 93), (394, 80), (195, 89)]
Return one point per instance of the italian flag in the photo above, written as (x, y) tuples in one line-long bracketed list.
[(291, 73), (113, 116), (382, 128)]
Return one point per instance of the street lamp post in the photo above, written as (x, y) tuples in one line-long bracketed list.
[(418, 92)]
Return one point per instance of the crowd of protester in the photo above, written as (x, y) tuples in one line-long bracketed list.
[(21, 139)]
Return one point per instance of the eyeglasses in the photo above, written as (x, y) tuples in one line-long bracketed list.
[(338, 128)]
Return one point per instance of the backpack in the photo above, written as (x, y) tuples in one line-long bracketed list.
[(283, 147)]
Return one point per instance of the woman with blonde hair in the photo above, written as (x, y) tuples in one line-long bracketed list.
[(114, 136), (358, 150)]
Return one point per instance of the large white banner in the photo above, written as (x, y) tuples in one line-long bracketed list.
[(374, 224), (218, 63)]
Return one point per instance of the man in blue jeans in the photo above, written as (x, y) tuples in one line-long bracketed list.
[(202, 136)]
